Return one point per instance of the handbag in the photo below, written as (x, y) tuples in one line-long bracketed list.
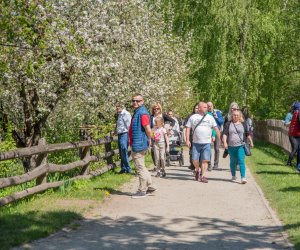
[(247, 149), (246, 146), (225, 154)]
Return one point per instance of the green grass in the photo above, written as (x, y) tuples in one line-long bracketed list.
[(42, 214), (280, 184)]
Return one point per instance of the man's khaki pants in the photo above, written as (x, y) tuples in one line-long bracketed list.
[(142, 171)]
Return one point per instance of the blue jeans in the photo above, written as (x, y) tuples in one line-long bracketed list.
[(201, 152), (237, 155), (298, 153), (123, 148)]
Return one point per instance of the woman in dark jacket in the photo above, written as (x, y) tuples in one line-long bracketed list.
[(157, 112), (235, 134)]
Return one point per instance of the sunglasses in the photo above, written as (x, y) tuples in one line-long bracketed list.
[(234, 109), (136, 100), (156, 109)]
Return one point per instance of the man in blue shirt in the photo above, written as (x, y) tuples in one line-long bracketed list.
[(220, 121), (122, 128)]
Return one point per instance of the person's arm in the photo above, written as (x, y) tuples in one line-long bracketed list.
[(217, 132), (187, 137), (215, 127), (148, 133), (225, 131), (219, 118), (127, 120), (213, 135), (247, 135), (250, 140), (167, 142), (225, 141), (183, 134), (145, 120), (287, 119)]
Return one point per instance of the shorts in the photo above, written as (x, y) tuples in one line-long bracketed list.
[(201, 152)]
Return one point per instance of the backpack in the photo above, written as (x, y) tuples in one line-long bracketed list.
[(296, 106)]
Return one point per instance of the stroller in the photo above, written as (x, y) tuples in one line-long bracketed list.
[(176, 151)]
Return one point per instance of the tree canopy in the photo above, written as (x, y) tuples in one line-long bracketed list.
[(245, 51), (69, 62), (72, 61)]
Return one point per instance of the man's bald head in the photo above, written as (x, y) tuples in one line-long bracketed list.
[(202, 108)]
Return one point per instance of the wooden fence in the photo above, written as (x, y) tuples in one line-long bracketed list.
[(274, 132), (43, 167)]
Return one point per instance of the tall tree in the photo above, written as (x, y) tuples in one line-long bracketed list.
[(78, 58), (247, 51)]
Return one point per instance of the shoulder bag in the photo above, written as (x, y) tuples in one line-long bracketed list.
[(197, 125)]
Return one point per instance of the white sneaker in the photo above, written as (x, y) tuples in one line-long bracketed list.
[(243, 180), (139, 194), (233, 178)]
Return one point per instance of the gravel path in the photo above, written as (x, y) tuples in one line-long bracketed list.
[(183, 214)]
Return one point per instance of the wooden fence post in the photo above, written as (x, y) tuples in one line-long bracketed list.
[(40, 160), (85, 134), (85, 153), (109, 160)]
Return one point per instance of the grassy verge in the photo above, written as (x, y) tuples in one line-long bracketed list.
[(280, 184), (43, 214)]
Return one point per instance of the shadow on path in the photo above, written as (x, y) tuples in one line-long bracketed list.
[(114, 191), (157, 232)]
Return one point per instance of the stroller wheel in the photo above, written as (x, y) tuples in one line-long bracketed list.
[(168, 163), (181, 162)]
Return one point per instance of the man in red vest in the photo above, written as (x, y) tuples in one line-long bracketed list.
[(294, 129)]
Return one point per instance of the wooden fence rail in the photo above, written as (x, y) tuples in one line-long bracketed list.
[(40, 171), (274, 132)]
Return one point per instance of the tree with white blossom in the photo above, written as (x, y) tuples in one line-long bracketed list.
[(78, 58)]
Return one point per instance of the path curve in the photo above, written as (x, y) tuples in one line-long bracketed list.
[(183, 214)]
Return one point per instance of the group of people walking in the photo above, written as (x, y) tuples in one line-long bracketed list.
[(202, 128)]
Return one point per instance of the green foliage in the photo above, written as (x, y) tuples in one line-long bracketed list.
[(244, 51), (10, 167)]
